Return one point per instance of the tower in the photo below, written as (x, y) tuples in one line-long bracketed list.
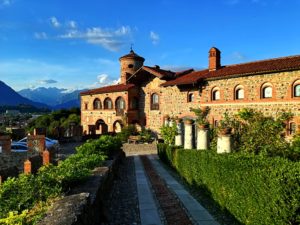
[(130, 63)]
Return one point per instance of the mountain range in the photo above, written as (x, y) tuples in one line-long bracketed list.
[(56, 98), (53, 98), (10, 97)]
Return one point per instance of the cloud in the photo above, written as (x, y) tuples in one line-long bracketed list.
[(5, 2), (41, 35), (154, 37), (54, 22), (72, 24), (50, 81), (104, 80), (111, 39)]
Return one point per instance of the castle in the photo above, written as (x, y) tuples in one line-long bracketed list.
[(146, 95)]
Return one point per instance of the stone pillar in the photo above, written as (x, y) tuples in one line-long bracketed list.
[(188, 134), (36, 143), (166, 120), (224, 144), (202, 139), (27, 167), (5, 144), (179, 136), (46, 157)]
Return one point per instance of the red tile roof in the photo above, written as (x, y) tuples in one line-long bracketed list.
[(108, 89), (257, 67), (159, 72)]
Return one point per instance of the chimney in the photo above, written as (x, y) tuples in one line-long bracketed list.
[(214, 56)]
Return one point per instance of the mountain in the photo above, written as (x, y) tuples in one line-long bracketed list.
[(57, 98), (9, 97)]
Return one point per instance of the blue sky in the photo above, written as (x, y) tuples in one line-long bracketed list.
[(76, 44)]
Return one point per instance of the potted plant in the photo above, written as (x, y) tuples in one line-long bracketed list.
[(225, 125), (201, 114)]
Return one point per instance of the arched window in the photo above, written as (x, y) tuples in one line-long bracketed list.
[(120, 103), (97, 104), (108, 103), (154, 102), (296, 89), (190, 97), (215, 94), (239, 93), (134, 102), (267, 92)]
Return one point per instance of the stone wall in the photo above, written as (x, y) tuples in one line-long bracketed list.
[(84, 204), (90, 116), (139, 149)]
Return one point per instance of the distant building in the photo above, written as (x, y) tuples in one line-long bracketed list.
[(146, 94), (12, 112)]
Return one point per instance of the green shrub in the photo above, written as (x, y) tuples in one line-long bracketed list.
[(168, 133), (28, 194), (126, 132), (255, 189)]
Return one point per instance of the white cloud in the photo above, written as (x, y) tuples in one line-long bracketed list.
[(54, 22), (104, 80), (41, 35), (111, 39), (154, 37), (50, 81), (72, 24)]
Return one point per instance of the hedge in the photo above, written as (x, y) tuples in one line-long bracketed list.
[(254, 189), (24, 199)]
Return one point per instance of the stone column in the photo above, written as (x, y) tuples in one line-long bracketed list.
[(27, 167), (224, 143), (178, 137), (188, 134), (46, 157), (202, 138), (166, 120), (36, 143), (5, 143)]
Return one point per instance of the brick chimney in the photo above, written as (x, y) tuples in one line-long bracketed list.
[(214, 56)]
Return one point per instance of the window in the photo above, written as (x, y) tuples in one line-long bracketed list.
[(134, 103), (120, 103), (97, 104), (154, 102), (108, 103), (130, 66), (297, 90), (267, 92), (216, 94), (239, 93), (85, 105), (292, 128), (190, 97)]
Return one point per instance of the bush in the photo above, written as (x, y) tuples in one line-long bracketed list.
[(168, 133), (23, 194), (126, 132), (255, 189)]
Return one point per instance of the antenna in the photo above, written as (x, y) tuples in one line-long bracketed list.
[(131, 45)]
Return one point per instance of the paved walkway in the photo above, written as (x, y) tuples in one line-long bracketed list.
[(133, 201)]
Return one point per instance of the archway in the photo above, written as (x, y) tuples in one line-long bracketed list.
[(118, 125), (101, 127)]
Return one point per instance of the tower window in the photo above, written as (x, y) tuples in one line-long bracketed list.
[(130, 66)]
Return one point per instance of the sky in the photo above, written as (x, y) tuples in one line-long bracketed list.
[(77, 44)]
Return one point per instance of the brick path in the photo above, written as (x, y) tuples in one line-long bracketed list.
[(146, 194)]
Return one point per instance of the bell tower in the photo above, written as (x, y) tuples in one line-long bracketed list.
[(130, 63)]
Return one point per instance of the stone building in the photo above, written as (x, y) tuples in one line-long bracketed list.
[(146, 94)]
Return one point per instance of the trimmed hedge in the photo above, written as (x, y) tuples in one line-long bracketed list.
[(254, 189)]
